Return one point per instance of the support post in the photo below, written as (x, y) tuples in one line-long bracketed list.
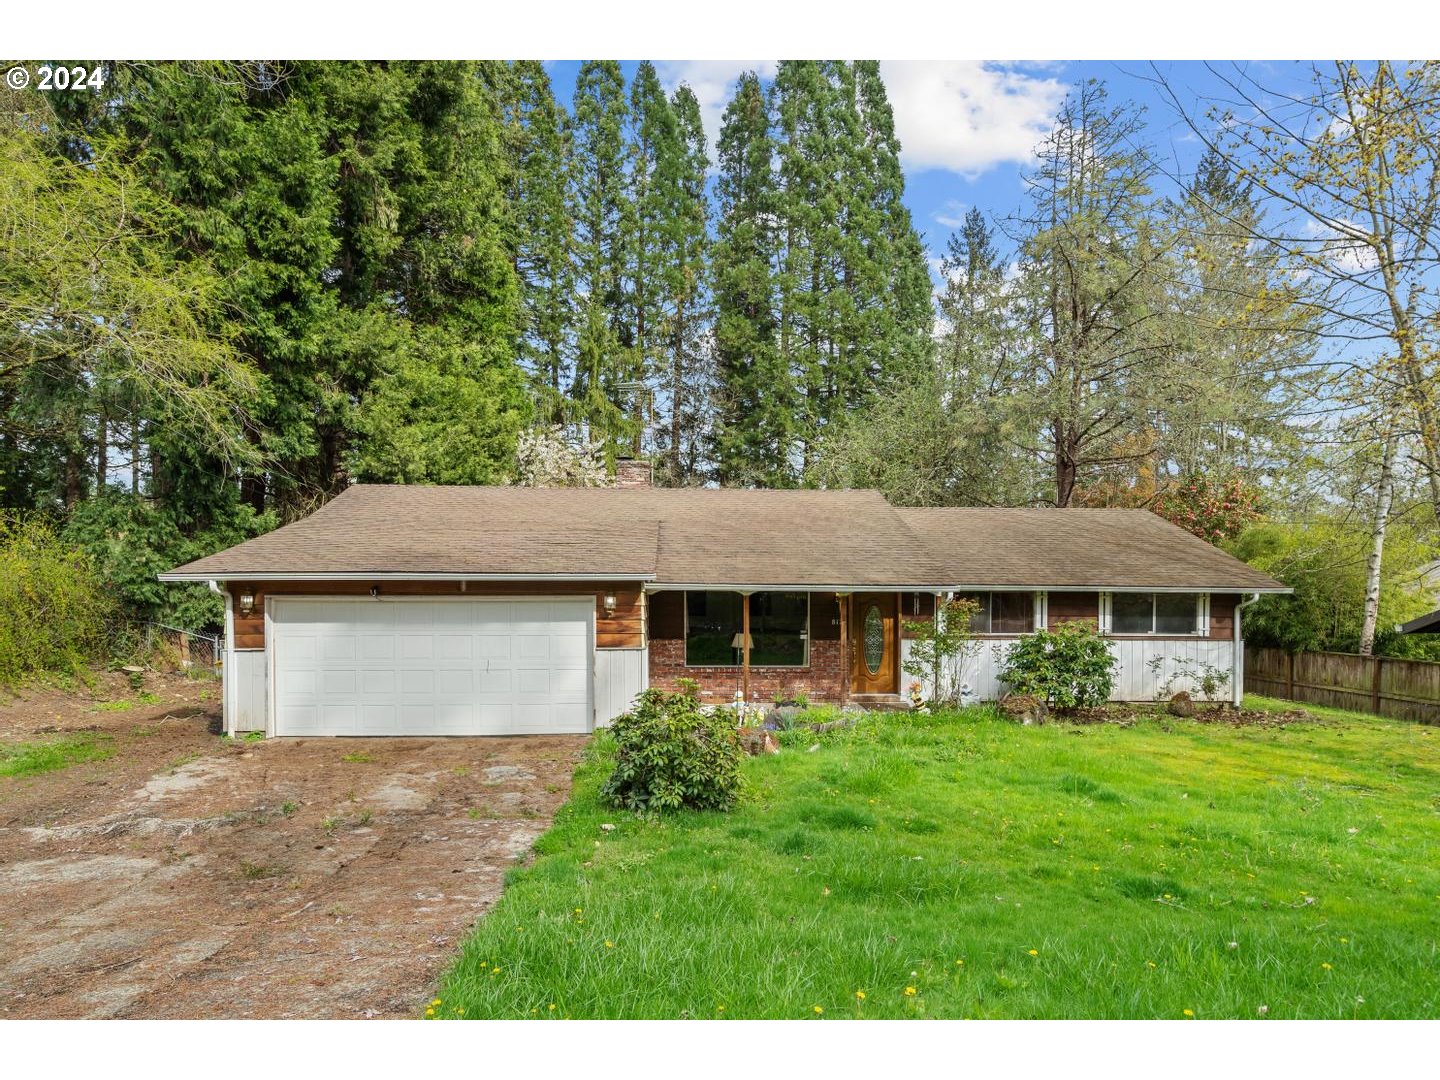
[(843, 601), (1289, 675), (745, 645), (1375, 685)]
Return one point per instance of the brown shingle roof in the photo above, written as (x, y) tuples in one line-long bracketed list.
[(1076, 548), (719, 537)]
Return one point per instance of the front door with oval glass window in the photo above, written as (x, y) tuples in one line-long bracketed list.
[(874, 644)]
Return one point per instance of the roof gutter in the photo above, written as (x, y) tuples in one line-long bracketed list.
[(727, 586), (349, 575)]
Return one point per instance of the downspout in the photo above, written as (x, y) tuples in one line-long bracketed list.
[(227, 667), (1237, 676)]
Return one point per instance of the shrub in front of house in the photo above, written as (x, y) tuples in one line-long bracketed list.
[(670, 755), (1070, 667)]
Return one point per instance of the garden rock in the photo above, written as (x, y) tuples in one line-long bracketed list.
[(1181, 704), (782, 717), (757, 741), (1024, 708)]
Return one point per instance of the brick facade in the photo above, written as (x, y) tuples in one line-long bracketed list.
[(820, 681)]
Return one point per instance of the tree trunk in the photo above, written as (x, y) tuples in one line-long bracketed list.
[(102, 452), (1384, 494)]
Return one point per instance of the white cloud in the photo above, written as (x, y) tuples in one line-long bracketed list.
[(967, 116), (714, 84), (951, 215)]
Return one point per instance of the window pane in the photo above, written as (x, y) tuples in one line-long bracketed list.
[(1012, 612), (1175, 613), (1132, 613), (779, 629), (980, 621), (713, 620)]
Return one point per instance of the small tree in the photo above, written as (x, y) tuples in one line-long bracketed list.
[(938, 647), (546, 457), (1069, 667)]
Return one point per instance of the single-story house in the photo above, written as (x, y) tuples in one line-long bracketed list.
[(408, 610)]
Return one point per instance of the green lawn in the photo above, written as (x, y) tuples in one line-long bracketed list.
[(30, 758), (966, 867)]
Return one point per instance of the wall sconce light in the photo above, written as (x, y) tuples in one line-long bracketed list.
[(374, 592), (608, 603), (247, 603)]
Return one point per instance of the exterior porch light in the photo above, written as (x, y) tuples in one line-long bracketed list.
[(374, 592), (247, 603), (609, 604)]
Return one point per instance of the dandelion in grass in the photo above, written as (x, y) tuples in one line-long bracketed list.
[(552, 1006), (435, 1004), (859, 995), (1326, 967), (429, 1013), (817, 1010), (1034, 952), (1150, 963), (719, 1008), (910, 991), (1189, 1014), (609, 944)]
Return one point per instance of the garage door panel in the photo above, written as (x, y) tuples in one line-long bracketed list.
[(464, 667), (377, 681)]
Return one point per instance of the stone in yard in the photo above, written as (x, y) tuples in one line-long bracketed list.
[(782, 717), (756, 741), (1025, 708), (1182, 704)]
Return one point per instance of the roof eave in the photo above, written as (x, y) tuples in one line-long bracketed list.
[(387, 575)]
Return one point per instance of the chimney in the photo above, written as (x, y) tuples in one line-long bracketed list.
[(632, 473)]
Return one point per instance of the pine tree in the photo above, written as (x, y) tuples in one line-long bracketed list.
[(755, 415), (603, 224), (686, 279), (541, 234), (654, 147)]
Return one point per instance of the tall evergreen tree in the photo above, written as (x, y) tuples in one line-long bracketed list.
[(541, 235), (685, 276), (654, 147), (755, 401), (855, 308), (603, 224)]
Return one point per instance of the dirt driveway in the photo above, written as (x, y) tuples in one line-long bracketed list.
[(188, 876)]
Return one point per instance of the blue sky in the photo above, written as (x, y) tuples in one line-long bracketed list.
[(967, 127)]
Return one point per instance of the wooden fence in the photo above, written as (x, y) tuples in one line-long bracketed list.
[(1404, 689)]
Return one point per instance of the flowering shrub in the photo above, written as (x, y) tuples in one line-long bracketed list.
[(1213, 511), (1069, 667), (670, 755)]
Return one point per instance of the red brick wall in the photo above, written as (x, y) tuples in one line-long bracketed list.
[(820, 681)]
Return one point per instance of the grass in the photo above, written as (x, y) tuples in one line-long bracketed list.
[(960, 866), (32, 758)]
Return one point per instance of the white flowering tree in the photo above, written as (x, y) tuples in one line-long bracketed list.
[(549, 457)]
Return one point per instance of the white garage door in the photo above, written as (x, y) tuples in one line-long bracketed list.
[(432, 667)]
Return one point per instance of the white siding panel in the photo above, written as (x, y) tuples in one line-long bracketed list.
[(248, 672), (1135, 678), (619, 678)]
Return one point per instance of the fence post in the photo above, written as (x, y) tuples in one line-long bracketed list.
[(1289, 675), (1375, 685)]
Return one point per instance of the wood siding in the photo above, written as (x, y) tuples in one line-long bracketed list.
[(623, 630), (1063, 607)]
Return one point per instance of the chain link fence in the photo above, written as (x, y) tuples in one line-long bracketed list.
[(173, 648)]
